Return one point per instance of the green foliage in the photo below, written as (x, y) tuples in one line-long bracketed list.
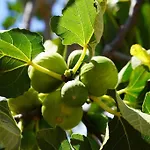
[(81, 142), (83, 17), (26, 102), (49, 92), (52, 139), (123, 136), (10, 137), (146, 104), (17, 48)]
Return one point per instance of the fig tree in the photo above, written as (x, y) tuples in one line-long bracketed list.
[(74, 93), (26, 102), (73, 58), (56, 113), (99, 75), (43, 82)]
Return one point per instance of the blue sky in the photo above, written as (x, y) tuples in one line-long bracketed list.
[(3, 11), (39, 25)]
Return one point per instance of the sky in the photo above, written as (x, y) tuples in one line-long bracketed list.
[(39, 25), (3, 11)]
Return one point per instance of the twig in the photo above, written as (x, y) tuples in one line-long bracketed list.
[(36, 113), (129, 24), (47, 17), (119, 56), (29, 11)]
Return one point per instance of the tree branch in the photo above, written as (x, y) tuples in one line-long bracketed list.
[(47, 17), (129, 24), (29, 11)]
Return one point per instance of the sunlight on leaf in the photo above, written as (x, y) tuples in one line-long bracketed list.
[(17, 48), (139, 52), (77, 23), (139, 120), (146, 104)]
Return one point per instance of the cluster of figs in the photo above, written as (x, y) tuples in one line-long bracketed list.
[(62, 101)]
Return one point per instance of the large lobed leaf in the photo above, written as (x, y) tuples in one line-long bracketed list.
[(81, 19), (139, 120), (122, 136), (52, 139), (10, 136), (17, 48), (80, 142)]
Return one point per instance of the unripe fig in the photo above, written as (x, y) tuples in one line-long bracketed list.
[(26, 102), (71, 116), (74, 93), (74, 57), (43, 82), (51, 108), (99, 75), (56, 113)]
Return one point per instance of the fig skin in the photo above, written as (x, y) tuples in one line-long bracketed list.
[(42, 82), (71, 116), (24, 103), (74, 57), (56, 113), (74, 93), (51, 108), (99, 75)]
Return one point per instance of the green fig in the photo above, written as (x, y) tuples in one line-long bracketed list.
[(56, 113), (74, 57), (99, 75), (51, 108), (42, 82), (26, 102), (71, 116), (74, 93)]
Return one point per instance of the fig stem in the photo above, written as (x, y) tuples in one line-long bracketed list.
[(79, 62), (108, 98), (98, 101), (46, 71), (121, 91)]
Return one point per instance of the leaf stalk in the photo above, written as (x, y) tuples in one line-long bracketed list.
[(98, 101), (79, 62)]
